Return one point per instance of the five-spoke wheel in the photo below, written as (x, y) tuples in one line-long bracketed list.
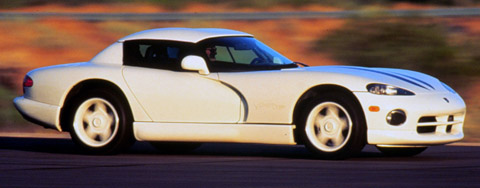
[(100, 123), (96, 122), (329, 126), (333, 126)]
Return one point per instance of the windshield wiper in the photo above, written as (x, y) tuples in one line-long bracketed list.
[(302, 64)]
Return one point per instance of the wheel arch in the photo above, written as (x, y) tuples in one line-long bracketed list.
[(84, 86), (311, 94)]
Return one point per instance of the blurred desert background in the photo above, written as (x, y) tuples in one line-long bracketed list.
[(445, 47)]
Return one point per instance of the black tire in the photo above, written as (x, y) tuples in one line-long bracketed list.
[(333, 126), (175, 147), (401, 151), (100, 123)]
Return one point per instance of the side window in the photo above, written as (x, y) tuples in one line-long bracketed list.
[(143, 49), (173, 52), (223, 54), (237, 54), (229, 54), (243, 56), (153, 54)]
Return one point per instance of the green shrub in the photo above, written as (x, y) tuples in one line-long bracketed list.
[(8, 113)]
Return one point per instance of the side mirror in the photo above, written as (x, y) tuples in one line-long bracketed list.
[(195, 63)]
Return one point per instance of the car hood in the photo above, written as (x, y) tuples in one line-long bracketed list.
[(406, 79)]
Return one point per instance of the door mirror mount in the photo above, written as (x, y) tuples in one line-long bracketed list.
[(195, 63)]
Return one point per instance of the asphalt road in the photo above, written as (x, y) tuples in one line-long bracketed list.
[(42, 162)]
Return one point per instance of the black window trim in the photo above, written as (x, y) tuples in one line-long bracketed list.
[(186, 48)]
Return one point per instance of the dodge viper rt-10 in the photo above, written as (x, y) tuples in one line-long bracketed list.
[(180, 87)]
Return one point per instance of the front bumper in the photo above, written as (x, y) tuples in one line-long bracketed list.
[(432, 119), (43, 114)]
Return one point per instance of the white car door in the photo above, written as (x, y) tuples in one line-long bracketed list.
[(170, 94)]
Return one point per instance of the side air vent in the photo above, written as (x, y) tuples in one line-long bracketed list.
[(426, 119), (426, 129), (441, 124)]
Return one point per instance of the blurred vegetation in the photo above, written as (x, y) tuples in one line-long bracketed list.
[(8, 113), (241, 3), (124, 28), (427, 47), (51, 38)]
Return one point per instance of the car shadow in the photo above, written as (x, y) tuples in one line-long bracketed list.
[(45, 145), (66, 146)]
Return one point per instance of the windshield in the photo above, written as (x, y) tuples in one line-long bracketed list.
[(239, 53)]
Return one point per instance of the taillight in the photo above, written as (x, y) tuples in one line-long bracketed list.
[(27, 82)]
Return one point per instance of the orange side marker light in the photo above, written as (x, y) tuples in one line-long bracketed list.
[(374, 108)]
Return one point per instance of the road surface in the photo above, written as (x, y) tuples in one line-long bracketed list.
[(54, 162)]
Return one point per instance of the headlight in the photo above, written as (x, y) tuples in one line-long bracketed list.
[(383, 89), (448, 88)]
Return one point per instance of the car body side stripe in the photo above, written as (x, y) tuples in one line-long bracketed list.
[(418, 80), (391, 75)]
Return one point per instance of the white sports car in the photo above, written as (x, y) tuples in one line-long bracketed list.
[(179, 87)]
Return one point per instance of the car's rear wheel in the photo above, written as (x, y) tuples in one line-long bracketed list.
[(401, 151), (175, 147), (334, 126), (100, 123)]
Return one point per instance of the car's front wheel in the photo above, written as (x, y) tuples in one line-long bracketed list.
[(100, 123), (334, 126)]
